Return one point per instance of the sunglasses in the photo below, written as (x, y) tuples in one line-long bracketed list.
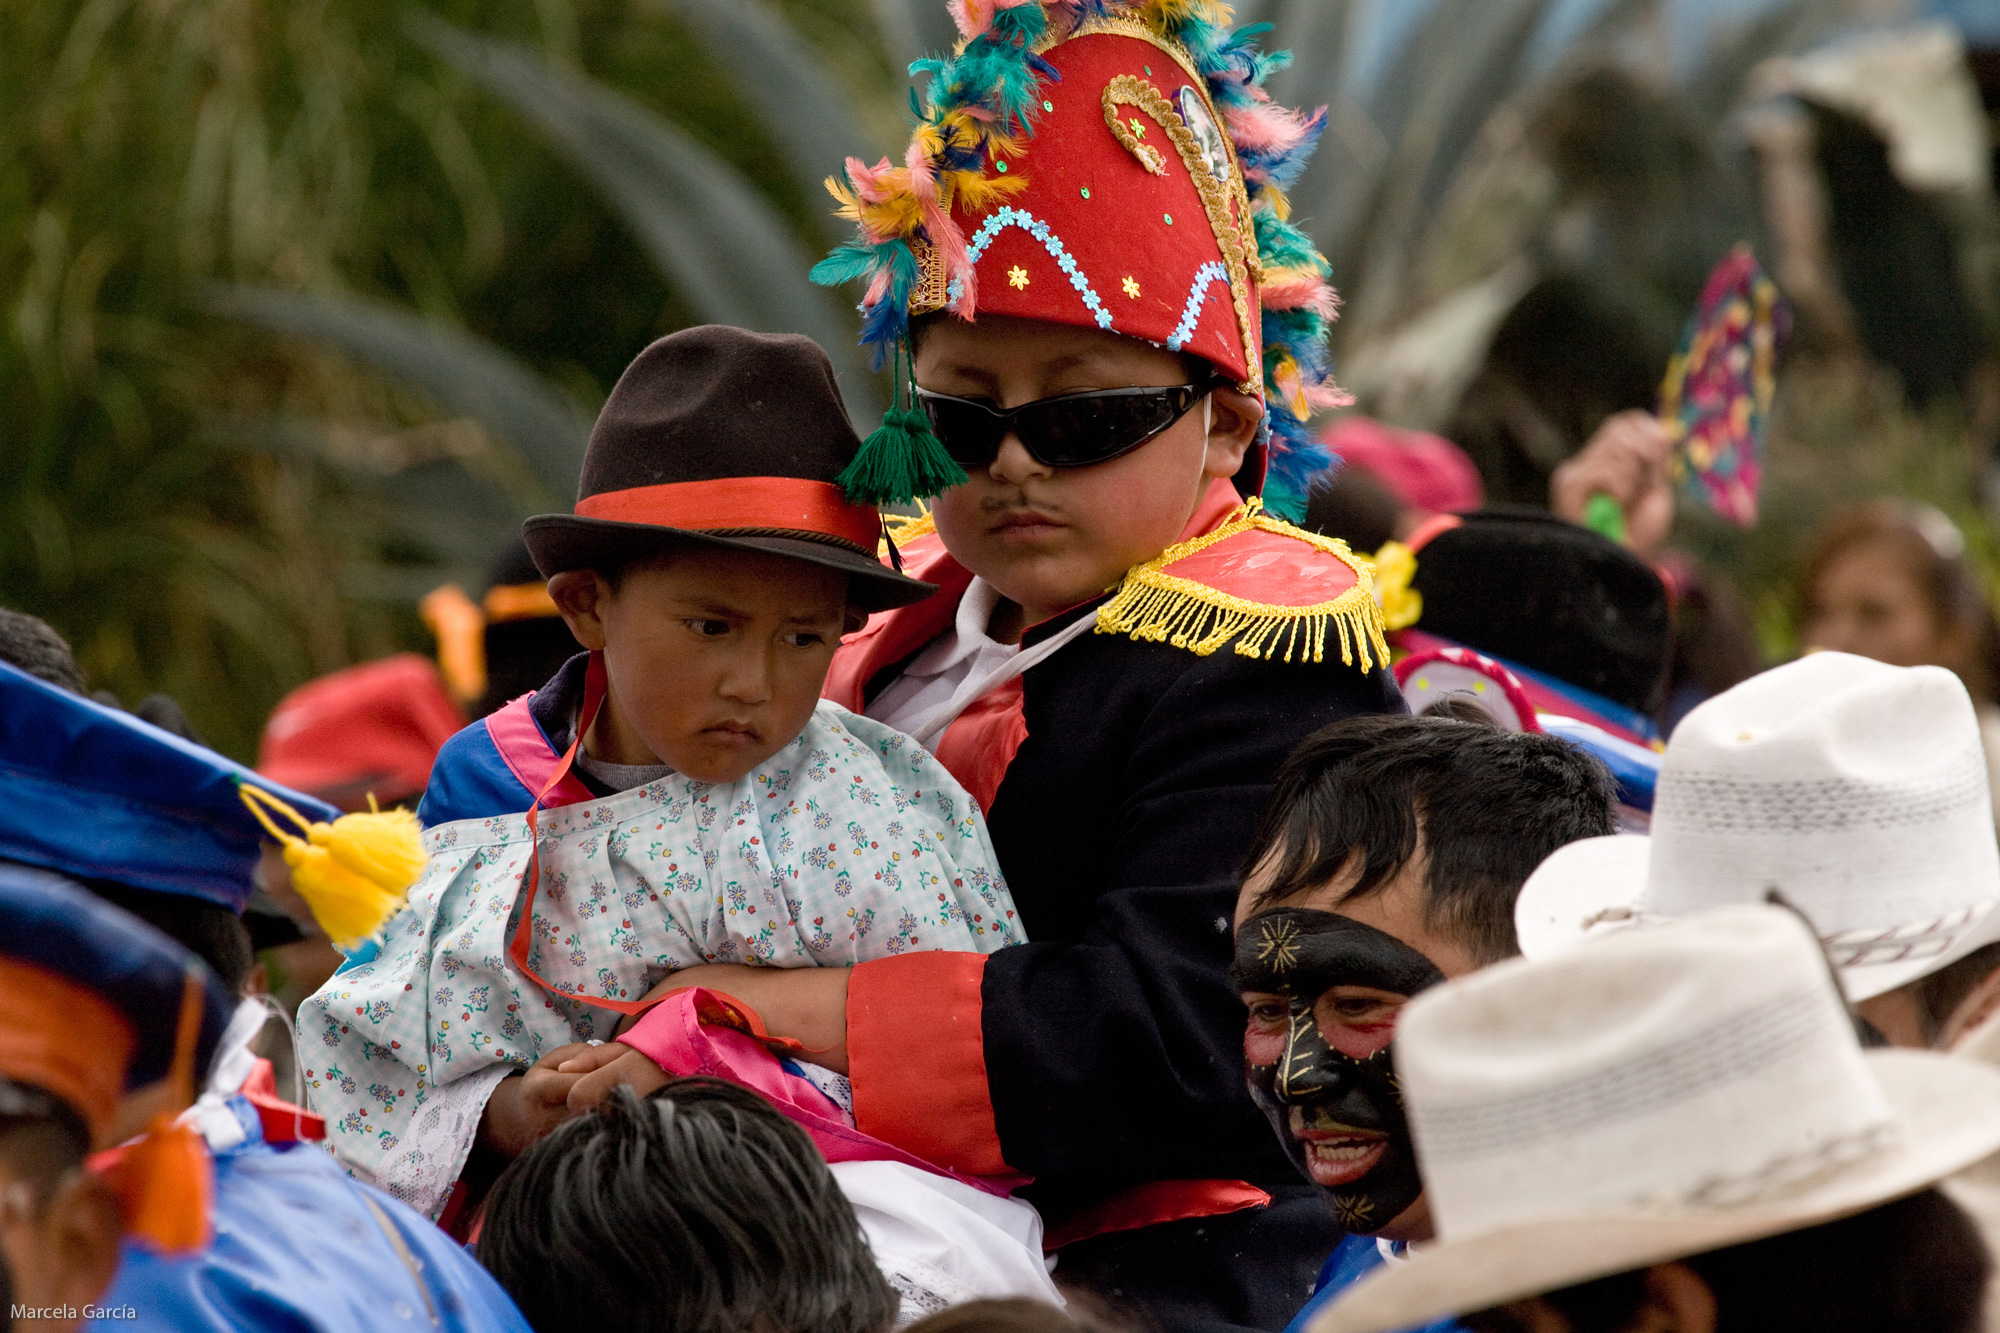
[(1068, 430)]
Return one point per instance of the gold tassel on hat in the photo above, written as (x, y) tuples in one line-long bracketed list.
[(352, 873)]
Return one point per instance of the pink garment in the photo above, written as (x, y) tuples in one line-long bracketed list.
[(673, 1035), (1422, 470)]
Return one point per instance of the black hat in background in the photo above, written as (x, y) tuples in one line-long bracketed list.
[(719, 437), (1526, 586)]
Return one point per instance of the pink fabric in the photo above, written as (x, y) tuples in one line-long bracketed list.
[(1424, 471), (672, 1035), (527, 755)]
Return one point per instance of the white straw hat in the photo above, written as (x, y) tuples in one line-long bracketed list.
[(1662, 1094), (1854, 789)]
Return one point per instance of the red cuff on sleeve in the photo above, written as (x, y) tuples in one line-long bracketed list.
[(917, 1058)]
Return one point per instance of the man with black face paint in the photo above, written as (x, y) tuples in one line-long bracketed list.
[(1326, 1082), (1387, 862)]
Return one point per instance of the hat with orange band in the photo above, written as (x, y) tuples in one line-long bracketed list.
[(717, 437)]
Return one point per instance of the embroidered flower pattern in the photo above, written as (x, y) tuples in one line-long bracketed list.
[(871, 831)]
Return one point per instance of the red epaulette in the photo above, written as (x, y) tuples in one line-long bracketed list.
[(1272, 590)]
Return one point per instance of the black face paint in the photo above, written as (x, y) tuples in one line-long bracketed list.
[(1300, 954)]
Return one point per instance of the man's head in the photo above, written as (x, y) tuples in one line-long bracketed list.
[(1387, 861), (59, 1224), (33, 645), (1917, 1263), (1665, 1129), (715, 657), (1762, 791), (699, 1208), (1050, 537), (1939, 1007)]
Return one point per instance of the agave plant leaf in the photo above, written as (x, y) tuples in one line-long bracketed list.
[(813, 120), (462, 373), (724, 247)]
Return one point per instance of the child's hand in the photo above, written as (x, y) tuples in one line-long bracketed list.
[(525, 1107), (603, 1068)]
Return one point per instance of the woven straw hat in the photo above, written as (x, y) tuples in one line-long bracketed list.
[(1663, 1094), (1856, 790)]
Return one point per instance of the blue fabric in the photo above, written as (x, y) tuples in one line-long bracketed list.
[(96, 793), (298, 1249), (1353, 1259), (469, 780), (61, 927)]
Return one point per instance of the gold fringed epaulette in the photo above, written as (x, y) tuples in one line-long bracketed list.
[(1273, 590)]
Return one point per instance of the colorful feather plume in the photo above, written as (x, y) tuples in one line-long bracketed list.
[(982, 104)]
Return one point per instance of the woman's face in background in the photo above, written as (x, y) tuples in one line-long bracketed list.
[(1868, 601)]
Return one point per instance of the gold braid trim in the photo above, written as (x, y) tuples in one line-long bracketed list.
[(1159, 607), (904, 529)]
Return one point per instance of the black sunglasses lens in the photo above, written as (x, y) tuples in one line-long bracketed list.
[(968, 432), (1092, 428)]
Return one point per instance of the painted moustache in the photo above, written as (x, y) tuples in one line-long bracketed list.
[(1340, 1116)]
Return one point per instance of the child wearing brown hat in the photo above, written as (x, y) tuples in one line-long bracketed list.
[(688, 797)]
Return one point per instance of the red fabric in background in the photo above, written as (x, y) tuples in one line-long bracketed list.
[(1422, 470), (373, 728)]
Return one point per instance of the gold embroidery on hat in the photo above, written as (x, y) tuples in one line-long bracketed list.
[(1127, 134), (1226, 204), (931, 290)]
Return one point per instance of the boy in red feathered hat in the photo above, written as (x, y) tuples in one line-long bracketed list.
[(1130, 639)]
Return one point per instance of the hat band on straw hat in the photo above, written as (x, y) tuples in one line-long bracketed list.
[(726, 503)]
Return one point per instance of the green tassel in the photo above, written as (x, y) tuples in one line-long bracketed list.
[(901, 462)]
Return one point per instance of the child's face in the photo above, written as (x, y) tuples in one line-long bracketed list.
[(1050, 538), (715, 659)]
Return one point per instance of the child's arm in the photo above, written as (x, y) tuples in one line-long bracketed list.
[(806, 1004)]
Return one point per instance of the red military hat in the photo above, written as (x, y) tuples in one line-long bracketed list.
[(1110, 164)]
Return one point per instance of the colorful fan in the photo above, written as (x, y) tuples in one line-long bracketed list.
[(1716, 401)]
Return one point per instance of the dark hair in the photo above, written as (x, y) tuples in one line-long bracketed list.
[(1488, 806), (1356, 507), (210, 931), (1939, 994), (700, 1209), (42, 1137), (1931, 550), (1016, 1315), (1917, 1263), (29, 643)]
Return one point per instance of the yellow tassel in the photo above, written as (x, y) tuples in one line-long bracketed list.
[(1395, 567), (352, 873)]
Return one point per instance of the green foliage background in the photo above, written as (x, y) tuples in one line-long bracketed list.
[(212, 511), (209, 508)]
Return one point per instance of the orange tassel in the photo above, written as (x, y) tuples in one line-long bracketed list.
[(165, 1180)]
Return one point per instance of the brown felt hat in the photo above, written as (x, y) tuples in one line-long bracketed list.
[(721, 437)]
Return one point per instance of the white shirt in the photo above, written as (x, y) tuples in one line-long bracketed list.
[(959, 666)]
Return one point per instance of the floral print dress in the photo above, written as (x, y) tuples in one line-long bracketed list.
[(850, 844)]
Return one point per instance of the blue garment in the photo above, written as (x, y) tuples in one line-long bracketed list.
[(98, 794), (469, 780), (1353, 1259), (302, 1248)]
